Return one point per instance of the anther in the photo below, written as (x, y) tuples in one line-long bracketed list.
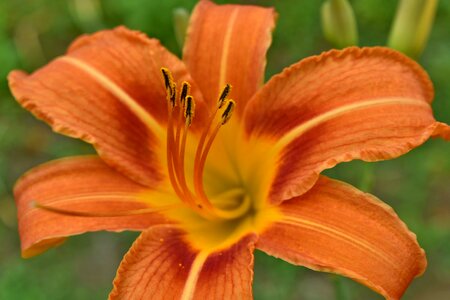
[(185, 88), (170, 85), (173, 95), (223, 96), (168, 80), (189, 110), (226, 115)]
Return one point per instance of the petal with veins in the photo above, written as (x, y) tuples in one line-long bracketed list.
[(228, 44), (161, 265), (109, 92), (80, 184), (336, 228), (370, 104)]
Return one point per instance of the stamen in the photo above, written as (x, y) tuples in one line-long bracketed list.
[(189, 115), (220, 102), (173, 95), (171, 159), (124, 213), (198, 175), (189, 110), (170, 85), (223, 96), (185, 88), (173, 163), (228, 112), (176, 150), (168, 80)]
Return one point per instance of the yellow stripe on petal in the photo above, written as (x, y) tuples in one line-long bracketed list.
[(69, 188), (336, 228), (334, 233), (191, 282), (302, 128), (226, 47), (114, 89), (161, 265)]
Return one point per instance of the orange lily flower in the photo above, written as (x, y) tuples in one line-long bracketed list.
[(206, 187)]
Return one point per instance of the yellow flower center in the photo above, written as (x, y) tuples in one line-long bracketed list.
[(233, 211)]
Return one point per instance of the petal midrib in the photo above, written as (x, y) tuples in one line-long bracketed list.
[(354, 240), (315, 121), (118, 92)]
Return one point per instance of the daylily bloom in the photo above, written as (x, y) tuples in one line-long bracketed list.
[(208, 179)]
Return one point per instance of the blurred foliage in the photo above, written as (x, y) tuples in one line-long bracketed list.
[(417, 185)]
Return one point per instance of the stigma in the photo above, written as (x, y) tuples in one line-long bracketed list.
[(181, 113)]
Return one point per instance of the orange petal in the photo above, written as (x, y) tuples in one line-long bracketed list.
[(369, 104), (336, 228), (108, 91), (228, 44), (83, 184), (160, 265)]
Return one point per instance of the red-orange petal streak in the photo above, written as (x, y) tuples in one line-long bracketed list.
[(336, 228), (228, 44), (370, 104), (108, 91), (81, 184), (161, 265)]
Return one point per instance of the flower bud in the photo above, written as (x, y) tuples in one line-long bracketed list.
[(180, 24), (412, 25), (339, 23)]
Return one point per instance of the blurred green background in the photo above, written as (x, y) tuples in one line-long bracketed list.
[(417, 185)]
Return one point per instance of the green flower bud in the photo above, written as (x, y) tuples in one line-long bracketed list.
[(180, 24), (339, 23), (412, 25)]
